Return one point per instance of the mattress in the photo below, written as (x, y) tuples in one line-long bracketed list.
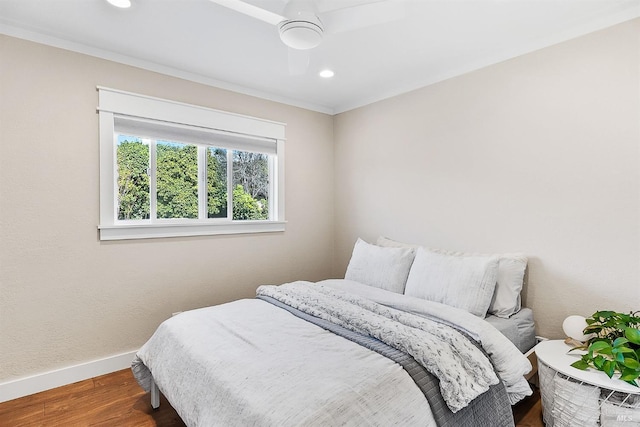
[(519, 328)]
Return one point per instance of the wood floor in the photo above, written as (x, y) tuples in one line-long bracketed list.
[(117, 400), (110, 400), (528, 412)]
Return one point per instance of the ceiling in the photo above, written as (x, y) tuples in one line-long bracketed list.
[(202, 41)]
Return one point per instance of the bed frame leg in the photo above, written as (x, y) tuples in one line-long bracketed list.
[(155, 395)]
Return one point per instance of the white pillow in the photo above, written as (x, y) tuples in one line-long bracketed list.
[(463, 282), (506, 298), (385, 268), (511, 268)]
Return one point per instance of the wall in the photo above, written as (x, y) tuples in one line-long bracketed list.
[(66, 297), (539, 154)]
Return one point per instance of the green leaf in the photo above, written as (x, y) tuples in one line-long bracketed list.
[(629, 375), (631, 363), (620, 341), (580, 364), (600, 347), (593, 329), (632, 335), (605, 314), (609, 368), (619, 357), (598, 361)]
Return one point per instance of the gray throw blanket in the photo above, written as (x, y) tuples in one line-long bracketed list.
[(463, 371), (490, 409)]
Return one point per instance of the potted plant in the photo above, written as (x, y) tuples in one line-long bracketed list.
[(614, 345)]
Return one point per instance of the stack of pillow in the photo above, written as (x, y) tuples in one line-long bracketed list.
[(479, 284)]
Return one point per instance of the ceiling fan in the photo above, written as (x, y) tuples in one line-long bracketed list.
[(301, 26)]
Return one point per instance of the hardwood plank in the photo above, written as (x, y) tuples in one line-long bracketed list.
[(63, 410), (29, 410), (142, 415), (21, 415), (123, 377), (528, 412), (533, 418), (117, 400), (108, 400)]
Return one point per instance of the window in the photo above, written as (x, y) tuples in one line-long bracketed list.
[(170, 169)]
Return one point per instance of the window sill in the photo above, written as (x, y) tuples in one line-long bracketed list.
[(153, 231)]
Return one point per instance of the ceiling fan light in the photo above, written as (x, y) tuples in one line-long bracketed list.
[(123, 4), (326, 73), (300, 34)]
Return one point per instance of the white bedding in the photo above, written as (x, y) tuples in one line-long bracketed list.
[(236, 368), (281, 387)]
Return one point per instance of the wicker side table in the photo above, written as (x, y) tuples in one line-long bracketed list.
[(572, 397)]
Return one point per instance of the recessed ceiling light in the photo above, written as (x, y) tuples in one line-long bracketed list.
[(327, 74), (120, 3)]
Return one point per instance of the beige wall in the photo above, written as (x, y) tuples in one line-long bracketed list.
[(66, 297), (539, 154)]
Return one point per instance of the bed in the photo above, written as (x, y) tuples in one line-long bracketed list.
[(370, 349)]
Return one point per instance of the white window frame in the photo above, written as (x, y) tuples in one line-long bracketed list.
[(114, 104)]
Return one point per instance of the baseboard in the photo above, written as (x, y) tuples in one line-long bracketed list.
[(47, 380)]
